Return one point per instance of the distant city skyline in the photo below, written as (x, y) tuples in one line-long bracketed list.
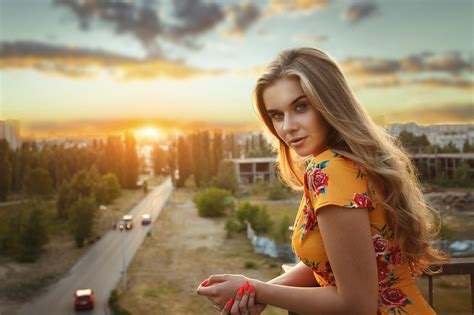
[(70, 67)]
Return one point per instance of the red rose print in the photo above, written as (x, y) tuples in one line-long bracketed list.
[(383, 271), (310, 219), (396, 256), (362, 201), (380, 245), (318, 180), (393, 297)]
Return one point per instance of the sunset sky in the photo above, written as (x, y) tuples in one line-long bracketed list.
[(92, 66)]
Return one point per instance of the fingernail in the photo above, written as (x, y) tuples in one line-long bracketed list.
[(246, 287), (204, 283), (251, 289), (229, 304), (241, 291)]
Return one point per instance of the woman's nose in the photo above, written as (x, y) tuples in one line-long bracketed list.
[(289, 123)]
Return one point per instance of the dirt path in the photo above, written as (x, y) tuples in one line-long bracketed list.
[(183, 250)]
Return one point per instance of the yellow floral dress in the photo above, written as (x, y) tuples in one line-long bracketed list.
[(331, 179)]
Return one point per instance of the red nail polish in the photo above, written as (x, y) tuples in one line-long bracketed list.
[(204, 283), (251, 289), (229, 304), (246, 287), (241, 291)]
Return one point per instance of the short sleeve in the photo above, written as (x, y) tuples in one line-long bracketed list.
[(337, 181)]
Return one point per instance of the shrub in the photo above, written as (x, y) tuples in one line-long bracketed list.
[(250, 265), (281, 234), (115, 306), (278, 191), (212, 202), (257, 216), (232, 226)]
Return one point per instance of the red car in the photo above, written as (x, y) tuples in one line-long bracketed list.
[(84, 299)]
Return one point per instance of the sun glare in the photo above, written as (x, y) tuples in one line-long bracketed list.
[(149, 132)]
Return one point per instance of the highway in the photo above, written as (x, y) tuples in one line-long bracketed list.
[(101, 266)]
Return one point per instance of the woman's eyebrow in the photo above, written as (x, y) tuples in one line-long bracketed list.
[(291, 104)]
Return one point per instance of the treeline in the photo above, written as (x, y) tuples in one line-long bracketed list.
[(420, 144), (201, 154), (459, 177), (73, 180), (31, 171)]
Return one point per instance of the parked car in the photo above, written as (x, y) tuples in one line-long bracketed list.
[(146, 219), (126, 222), (84, 299)]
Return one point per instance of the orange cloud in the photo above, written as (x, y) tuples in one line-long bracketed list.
[(85, 63)]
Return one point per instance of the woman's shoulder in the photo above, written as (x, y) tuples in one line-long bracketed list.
[(330, 160)]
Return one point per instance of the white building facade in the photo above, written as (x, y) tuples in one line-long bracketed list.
[(10, 131)]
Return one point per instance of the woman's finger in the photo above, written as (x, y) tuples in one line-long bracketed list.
[(238, 297), (243, 307), (228, 306), (251, 303)]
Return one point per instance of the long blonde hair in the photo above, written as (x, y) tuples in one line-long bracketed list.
[(354, 135)]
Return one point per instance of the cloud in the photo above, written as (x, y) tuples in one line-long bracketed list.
[(433, 114), (356, 12), (284, 6), (194, 18), (242, 18), (309, 38), (142, 21), (373, 72), (81, 63)]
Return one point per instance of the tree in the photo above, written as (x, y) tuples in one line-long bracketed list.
[(160, 161), (217, 152), (226, 177), (461, 176), (39, 183), (467, 147), (81, 219), (108, 189), (184, 162), (33, 233), (5, 170), (130, 161), (212, 202)]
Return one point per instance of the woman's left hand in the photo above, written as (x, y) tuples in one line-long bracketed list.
[(243, 303), (219, 289)]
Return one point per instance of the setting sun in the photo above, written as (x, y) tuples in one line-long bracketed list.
[(148, 132)]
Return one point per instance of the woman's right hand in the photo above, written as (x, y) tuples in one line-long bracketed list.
[(243, 303)]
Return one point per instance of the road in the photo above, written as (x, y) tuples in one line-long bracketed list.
[(100, 268)]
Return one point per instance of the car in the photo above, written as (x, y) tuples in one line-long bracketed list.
[(126, 222), (83, 299), (146, 219)]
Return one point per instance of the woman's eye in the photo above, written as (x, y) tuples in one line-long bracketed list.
[(300, 107), (276, 116)]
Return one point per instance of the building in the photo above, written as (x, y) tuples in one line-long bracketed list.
[(440, 135), (10, 131), (251, 170)]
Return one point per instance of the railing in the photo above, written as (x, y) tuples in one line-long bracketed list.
[(457, 266)]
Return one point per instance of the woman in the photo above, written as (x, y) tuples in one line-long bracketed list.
[(363, 229)]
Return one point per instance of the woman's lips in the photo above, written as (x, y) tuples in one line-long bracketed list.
[(297, 142)]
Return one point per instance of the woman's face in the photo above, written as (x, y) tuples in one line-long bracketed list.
[(296, 122)]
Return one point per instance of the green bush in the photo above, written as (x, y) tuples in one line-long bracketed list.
[(281, 234), (260, 187), (232, 226), (115, 306), (257, 216), (250, 265), (212, 202), (278, 191)]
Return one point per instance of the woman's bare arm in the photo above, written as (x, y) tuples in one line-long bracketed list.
[(348, 243)]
